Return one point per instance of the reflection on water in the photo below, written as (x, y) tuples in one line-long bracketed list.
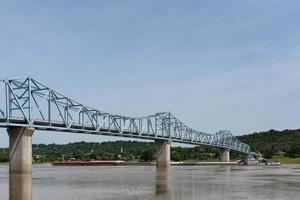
[(148, 183), (20, 186), (226, 168), (163, 182)]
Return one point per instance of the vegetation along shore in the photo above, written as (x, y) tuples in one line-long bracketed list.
[(283, 146)]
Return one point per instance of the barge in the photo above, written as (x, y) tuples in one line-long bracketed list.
[(88, 163)]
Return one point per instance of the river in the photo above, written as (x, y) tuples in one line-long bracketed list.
[(145, 182)]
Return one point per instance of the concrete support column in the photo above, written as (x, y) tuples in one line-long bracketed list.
[(163, 153), (20, 186), (225, 155), (20, 148)]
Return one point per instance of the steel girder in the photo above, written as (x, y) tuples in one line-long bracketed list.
[(26, 102)]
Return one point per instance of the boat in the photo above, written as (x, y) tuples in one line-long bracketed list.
[(88, 163), (248, 160), (252, 162), (274, 164)]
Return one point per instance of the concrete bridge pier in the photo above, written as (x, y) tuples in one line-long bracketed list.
[(20, 149), (163, 153), (225, 155), (20, 186)]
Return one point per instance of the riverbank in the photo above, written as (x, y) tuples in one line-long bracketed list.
[(122, 163), (286, 160), (281, 159)]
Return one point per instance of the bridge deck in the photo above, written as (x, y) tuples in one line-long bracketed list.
[(89, 129), (28, 103)]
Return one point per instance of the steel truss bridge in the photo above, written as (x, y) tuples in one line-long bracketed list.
[(25, 102)]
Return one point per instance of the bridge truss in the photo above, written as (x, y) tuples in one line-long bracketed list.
[(25, 102)]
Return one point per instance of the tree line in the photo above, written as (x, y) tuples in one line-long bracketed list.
[(117, 150), (268, 143), (272, 142)]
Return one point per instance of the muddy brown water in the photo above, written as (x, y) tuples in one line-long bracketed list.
[(145, 182)]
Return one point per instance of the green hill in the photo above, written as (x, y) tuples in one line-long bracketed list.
[(274, 142)]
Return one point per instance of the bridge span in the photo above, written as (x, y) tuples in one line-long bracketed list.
[(27, 105)]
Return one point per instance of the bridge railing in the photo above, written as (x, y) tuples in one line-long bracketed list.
[(26, 102)]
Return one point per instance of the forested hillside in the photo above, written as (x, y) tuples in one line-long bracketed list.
[(273, 142)]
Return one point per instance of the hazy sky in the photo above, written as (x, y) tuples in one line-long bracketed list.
[(215, 64)]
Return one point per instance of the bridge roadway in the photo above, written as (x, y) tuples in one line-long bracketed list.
[(26, 105)]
